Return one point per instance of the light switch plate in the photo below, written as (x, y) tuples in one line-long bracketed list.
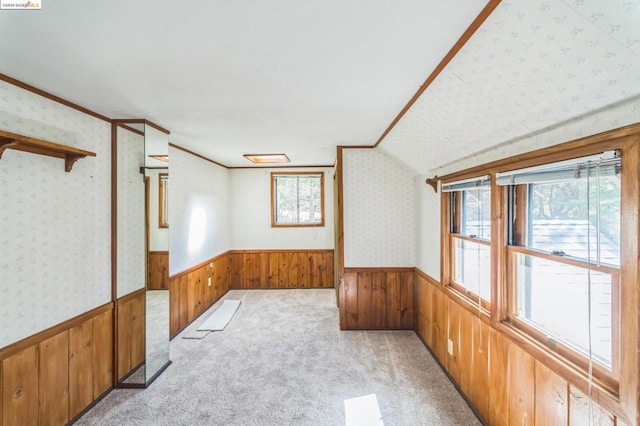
[(450, 346)]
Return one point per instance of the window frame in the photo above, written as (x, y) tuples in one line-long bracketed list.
[(452, 204), (275, 224), (620, 396)]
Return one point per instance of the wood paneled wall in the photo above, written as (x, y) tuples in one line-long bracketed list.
[(377, 298), (158, 270), (131, 332), (51, 377), (505, 384), (281, 269), (193, 291)]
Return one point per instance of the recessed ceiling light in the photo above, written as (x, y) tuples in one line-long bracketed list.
[(267, 158)]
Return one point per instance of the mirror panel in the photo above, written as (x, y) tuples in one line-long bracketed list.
[(142, 252)]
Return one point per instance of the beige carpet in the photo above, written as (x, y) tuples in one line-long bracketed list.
[(282, 360)]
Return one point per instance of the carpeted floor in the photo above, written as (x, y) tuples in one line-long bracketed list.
[(282, 360)]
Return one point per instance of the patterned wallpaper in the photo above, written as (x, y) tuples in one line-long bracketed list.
[(428, 228), (131, 223), (55, 227), (379, 210), (158, 237), (535, 74), (198, 210), (250, 191)]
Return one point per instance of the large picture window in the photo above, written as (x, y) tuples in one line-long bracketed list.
[(297, 199), (470, 236), (564, 256)]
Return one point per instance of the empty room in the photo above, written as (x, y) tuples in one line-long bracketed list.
[(320, 213)]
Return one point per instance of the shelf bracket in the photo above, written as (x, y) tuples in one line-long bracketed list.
[(6, 144), (433, 182), (70, 160)]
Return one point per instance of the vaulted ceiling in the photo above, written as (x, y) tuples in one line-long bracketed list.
[(300, 77)]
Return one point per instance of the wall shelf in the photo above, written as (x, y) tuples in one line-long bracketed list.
[(37, 146)]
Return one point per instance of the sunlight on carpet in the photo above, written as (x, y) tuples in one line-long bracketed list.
[(363, 411)]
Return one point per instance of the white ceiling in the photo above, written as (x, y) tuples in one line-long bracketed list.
[(235, 77), (532, 64)]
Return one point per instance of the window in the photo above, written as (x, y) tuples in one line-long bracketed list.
[(297, 199), (470, 236), (564, 256)]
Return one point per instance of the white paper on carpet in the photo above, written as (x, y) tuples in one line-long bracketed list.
[(219, 319)]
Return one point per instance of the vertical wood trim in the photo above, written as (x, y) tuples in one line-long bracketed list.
[(114, 245), (339, 243)]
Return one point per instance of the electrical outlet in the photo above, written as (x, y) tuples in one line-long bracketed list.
[(209, 281), (450, 346)]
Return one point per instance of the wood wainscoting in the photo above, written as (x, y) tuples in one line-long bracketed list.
[(158, 270), (131, 332), (255, 269), (52, 377), (193, 291), (505, 384), (377, 299)]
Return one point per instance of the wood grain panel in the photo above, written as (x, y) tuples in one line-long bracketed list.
[(191, 295), (124, 339), (20, 388), (80, 367), (453, 330), (137, 327), (440, 327), (521, 387), (480, 368), (378, 301), (158, 270), (393, 299), (465, 350), (282, 269), (102, 353), (351, 300), (552, 397), (499, 386), (407, 300), (364, 300), (581, 410), (53, 380)]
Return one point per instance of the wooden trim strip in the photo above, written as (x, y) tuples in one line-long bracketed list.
[(131, 129), (356, 146), (573, 149), (155, 126), (464, 38), (314, 166), (132, 295), (349, 269), (281, 251), (52, 331), (158, 252), (198, 265), (52, 97), (178, 147), (567, 260)]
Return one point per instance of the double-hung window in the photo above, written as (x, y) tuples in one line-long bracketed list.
[(563, 256), (470, 236), (297, 199)]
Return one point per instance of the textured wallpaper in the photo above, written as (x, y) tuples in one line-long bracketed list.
[(379, 210), (158, 237), (131, 224), (198, 210), (428, 228), (250, 191), (55, 227)]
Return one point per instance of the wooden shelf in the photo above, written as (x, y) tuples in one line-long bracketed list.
[(37, 146)]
